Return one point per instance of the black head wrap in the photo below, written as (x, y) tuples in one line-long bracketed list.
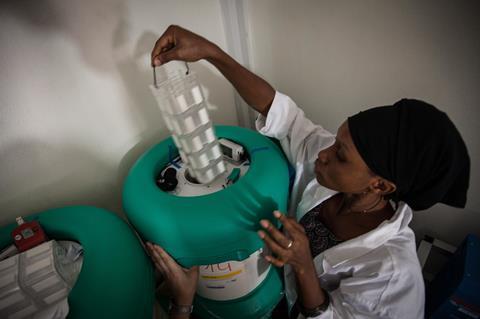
[(417, 147)]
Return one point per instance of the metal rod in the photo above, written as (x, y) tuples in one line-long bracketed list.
[(154, 78)]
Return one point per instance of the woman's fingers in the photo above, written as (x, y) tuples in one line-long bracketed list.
[(161, 268), (277, 235), (164, 260), (272, 244), (157, 260), (275, 261), (180, 281), (163, 44), (289, 223), (173, 54), (167, 260), (162, 253), (289, 247)]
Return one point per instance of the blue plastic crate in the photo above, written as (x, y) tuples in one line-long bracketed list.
[(455, 291)]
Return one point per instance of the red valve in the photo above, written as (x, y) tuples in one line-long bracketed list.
[(28, 234)]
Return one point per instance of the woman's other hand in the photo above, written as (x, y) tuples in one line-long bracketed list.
[(181, 282), (291, 248), (177, 43)]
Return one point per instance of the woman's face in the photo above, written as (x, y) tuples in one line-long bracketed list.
[(340, 167)]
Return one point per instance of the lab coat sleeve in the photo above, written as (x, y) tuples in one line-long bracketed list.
[(361, 297), (356, 297), (376, 295), (300, 139)]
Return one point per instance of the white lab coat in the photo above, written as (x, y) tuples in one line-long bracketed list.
[(375, 275)]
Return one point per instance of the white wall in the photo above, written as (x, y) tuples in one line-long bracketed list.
[(75, 108), (335, 58)]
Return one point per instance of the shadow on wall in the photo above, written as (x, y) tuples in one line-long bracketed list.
[(100, 32), (89, 23), (79, 179), (79, 176)]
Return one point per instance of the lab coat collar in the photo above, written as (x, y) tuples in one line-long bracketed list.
[(361, 245), (313, 195)]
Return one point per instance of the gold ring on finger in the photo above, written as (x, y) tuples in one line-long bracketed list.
[(290, 244)]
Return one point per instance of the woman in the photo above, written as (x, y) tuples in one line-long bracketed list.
[(347, 249)]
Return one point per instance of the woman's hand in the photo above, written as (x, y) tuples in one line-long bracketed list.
[(181, 282), (292, 248), (176, 43)]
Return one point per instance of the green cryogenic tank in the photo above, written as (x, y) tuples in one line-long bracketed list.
[(214, 224)]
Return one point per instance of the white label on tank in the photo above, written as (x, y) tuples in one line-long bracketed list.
[(233, 279)]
